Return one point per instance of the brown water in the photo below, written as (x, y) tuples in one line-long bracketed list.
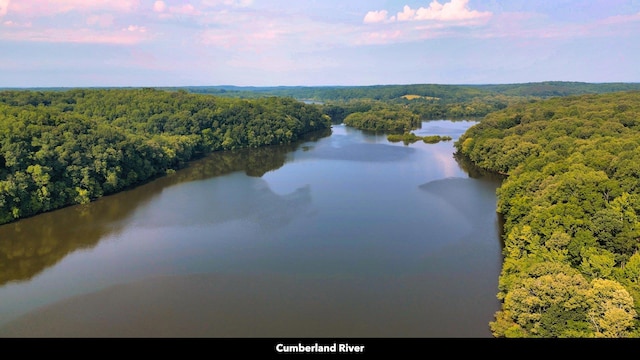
[(343, 235)]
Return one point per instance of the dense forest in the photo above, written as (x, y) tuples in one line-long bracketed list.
[(409, 138), (571, 206), (59, 148), (387, 119)]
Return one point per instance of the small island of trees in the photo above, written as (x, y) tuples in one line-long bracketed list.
[(410, 138)]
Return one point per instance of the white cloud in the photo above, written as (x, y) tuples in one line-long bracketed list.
[(455, 10), (235, 3), (451, 11), (13, 24), (136, 28), (376, 16), (407, 14)]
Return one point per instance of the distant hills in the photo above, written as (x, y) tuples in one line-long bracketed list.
[(443, 92), (447, 93)]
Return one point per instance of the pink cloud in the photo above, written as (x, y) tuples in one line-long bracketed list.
[(254, 40), (235, 3), (103, 20), (621, 19), (4, 7), (537, 26), (169, 12), (159, 6), (186, 9), (50, 7), (381, 37), (85, 36)]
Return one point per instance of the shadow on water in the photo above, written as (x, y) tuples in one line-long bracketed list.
[(29, 246), (459, 192), (476, 172), (363, 152)]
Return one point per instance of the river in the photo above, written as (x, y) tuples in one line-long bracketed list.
[(341, 235)]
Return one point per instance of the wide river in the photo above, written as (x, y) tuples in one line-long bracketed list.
[(342, 235)]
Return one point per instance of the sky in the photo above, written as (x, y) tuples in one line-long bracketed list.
[(155, 43)]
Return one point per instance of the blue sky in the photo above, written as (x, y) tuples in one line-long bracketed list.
[(75, 43)]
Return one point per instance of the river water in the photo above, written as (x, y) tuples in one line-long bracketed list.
[(341, 235)]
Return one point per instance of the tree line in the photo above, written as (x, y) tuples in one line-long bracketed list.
[(429, 101), (571, 206), (59, 148)]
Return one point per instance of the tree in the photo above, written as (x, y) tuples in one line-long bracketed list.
[(610, 309)]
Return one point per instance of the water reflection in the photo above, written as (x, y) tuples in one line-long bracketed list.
[(242, 198), (458, 193), (31, 245), (342, 241)]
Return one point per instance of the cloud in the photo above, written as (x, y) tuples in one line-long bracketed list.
[(4, 6), (621, 19), (170, 12), (453, 11), (135, 28), (381, 37), (129, 36), (234, 3), (159, 6), (32, 8), (186, 9), (376, 17), (258, 31), (255, 39), (525, 26), (407, 14), (438, 20), (104, 20)]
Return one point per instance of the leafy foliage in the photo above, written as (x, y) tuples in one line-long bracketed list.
[(409, 138), (60, 148), (571, 198), (388, 120)]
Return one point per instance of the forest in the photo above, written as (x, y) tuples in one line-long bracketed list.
[(570, 203), (59, 148)]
